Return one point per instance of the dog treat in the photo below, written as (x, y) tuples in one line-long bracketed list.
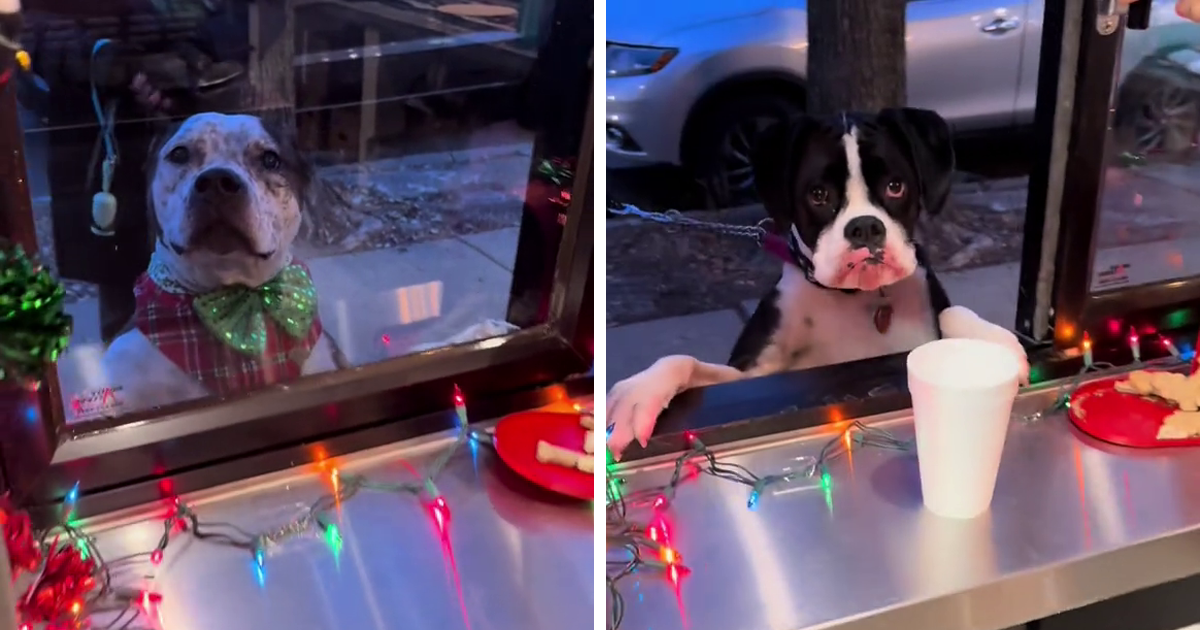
[(589, 446), (587, 421), (1180, 425), (1182, 391), (585, 463), (548, 453)]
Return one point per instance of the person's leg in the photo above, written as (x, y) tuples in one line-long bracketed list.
[(116, 310), (113, 263), (133, 251)]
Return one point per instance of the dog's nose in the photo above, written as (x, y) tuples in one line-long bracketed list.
[(868, 232), (219, 183)]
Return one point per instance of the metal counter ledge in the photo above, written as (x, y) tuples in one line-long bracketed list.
[(1073, 521), (516, 559)]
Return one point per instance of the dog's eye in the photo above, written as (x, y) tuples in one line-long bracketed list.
[(895, 189), (179, 155), (270, 160), (818, 196)]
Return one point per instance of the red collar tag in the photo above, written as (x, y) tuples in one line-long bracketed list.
[(883, 319)]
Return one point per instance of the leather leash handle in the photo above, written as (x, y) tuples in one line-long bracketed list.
[(1139, 16)]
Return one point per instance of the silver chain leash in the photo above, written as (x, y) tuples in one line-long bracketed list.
[(758, 231)]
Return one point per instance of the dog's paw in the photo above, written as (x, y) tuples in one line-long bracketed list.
[(962, 322), (1022, 362), (634, 404), (489, 328)]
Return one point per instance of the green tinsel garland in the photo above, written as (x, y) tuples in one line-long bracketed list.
[(34, 330), (557, 171)]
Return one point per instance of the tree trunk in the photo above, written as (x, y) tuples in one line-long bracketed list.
[(328, 217), (272, 92), (855, 55)]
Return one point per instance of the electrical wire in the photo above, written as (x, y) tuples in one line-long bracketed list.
[(633, 546)]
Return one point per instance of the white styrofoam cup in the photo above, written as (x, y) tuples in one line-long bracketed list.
[(962, 396)]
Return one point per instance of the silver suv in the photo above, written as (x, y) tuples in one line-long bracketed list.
[(689, 82)]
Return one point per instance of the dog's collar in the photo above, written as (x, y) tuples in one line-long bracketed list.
[(159, 271), (792, 251)]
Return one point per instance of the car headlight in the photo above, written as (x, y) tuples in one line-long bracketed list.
[(627, 61)]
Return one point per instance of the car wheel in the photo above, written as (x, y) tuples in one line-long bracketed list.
[(1158, 115), (1167, 122), (722, 142)]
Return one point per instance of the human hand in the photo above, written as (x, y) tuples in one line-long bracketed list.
[(1188, 9), (149, 96)]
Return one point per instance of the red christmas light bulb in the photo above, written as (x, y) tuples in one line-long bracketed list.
[(660, 502), (149, 599), (156, 557), (1133, 336), (689, 438), (441, 514), (658, 531)]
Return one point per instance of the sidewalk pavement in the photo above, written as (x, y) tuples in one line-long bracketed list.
[(376, 304), (989, 291)]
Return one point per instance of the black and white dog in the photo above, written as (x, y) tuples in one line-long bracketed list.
[(847, 194)]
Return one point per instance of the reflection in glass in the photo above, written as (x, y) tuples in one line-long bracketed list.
[(240, 194), (1148, 229)]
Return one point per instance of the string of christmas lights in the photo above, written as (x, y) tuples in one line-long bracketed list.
[(640, 546), (70, 586), (1062, 399)]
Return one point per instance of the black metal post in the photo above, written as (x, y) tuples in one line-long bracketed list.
[(559, 94)]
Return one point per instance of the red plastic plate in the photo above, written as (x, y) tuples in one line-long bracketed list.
[(517, 437), (1106, 414)]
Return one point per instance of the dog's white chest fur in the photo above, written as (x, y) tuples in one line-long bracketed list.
[(148, 379), (820, 326)]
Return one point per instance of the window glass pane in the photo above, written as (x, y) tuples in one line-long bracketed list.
[(238, 194), (690, 97), (1149, 230)]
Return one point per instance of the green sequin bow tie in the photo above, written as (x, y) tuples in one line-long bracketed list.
[(237, 315)]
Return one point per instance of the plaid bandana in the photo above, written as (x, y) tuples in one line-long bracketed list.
[(169, 320)]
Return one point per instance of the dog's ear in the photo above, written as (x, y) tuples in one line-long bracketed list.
[(931, 148), (773, 159), (296, 163)]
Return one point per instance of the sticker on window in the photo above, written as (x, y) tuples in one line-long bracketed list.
[(98, 403), (1113, 276)]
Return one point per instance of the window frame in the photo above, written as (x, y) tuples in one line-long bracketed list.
[(118, 463), (1071, 308)]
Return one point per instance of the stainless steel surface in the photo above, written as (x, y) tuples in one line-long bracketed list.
[(518, 563), (1073, 521)]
